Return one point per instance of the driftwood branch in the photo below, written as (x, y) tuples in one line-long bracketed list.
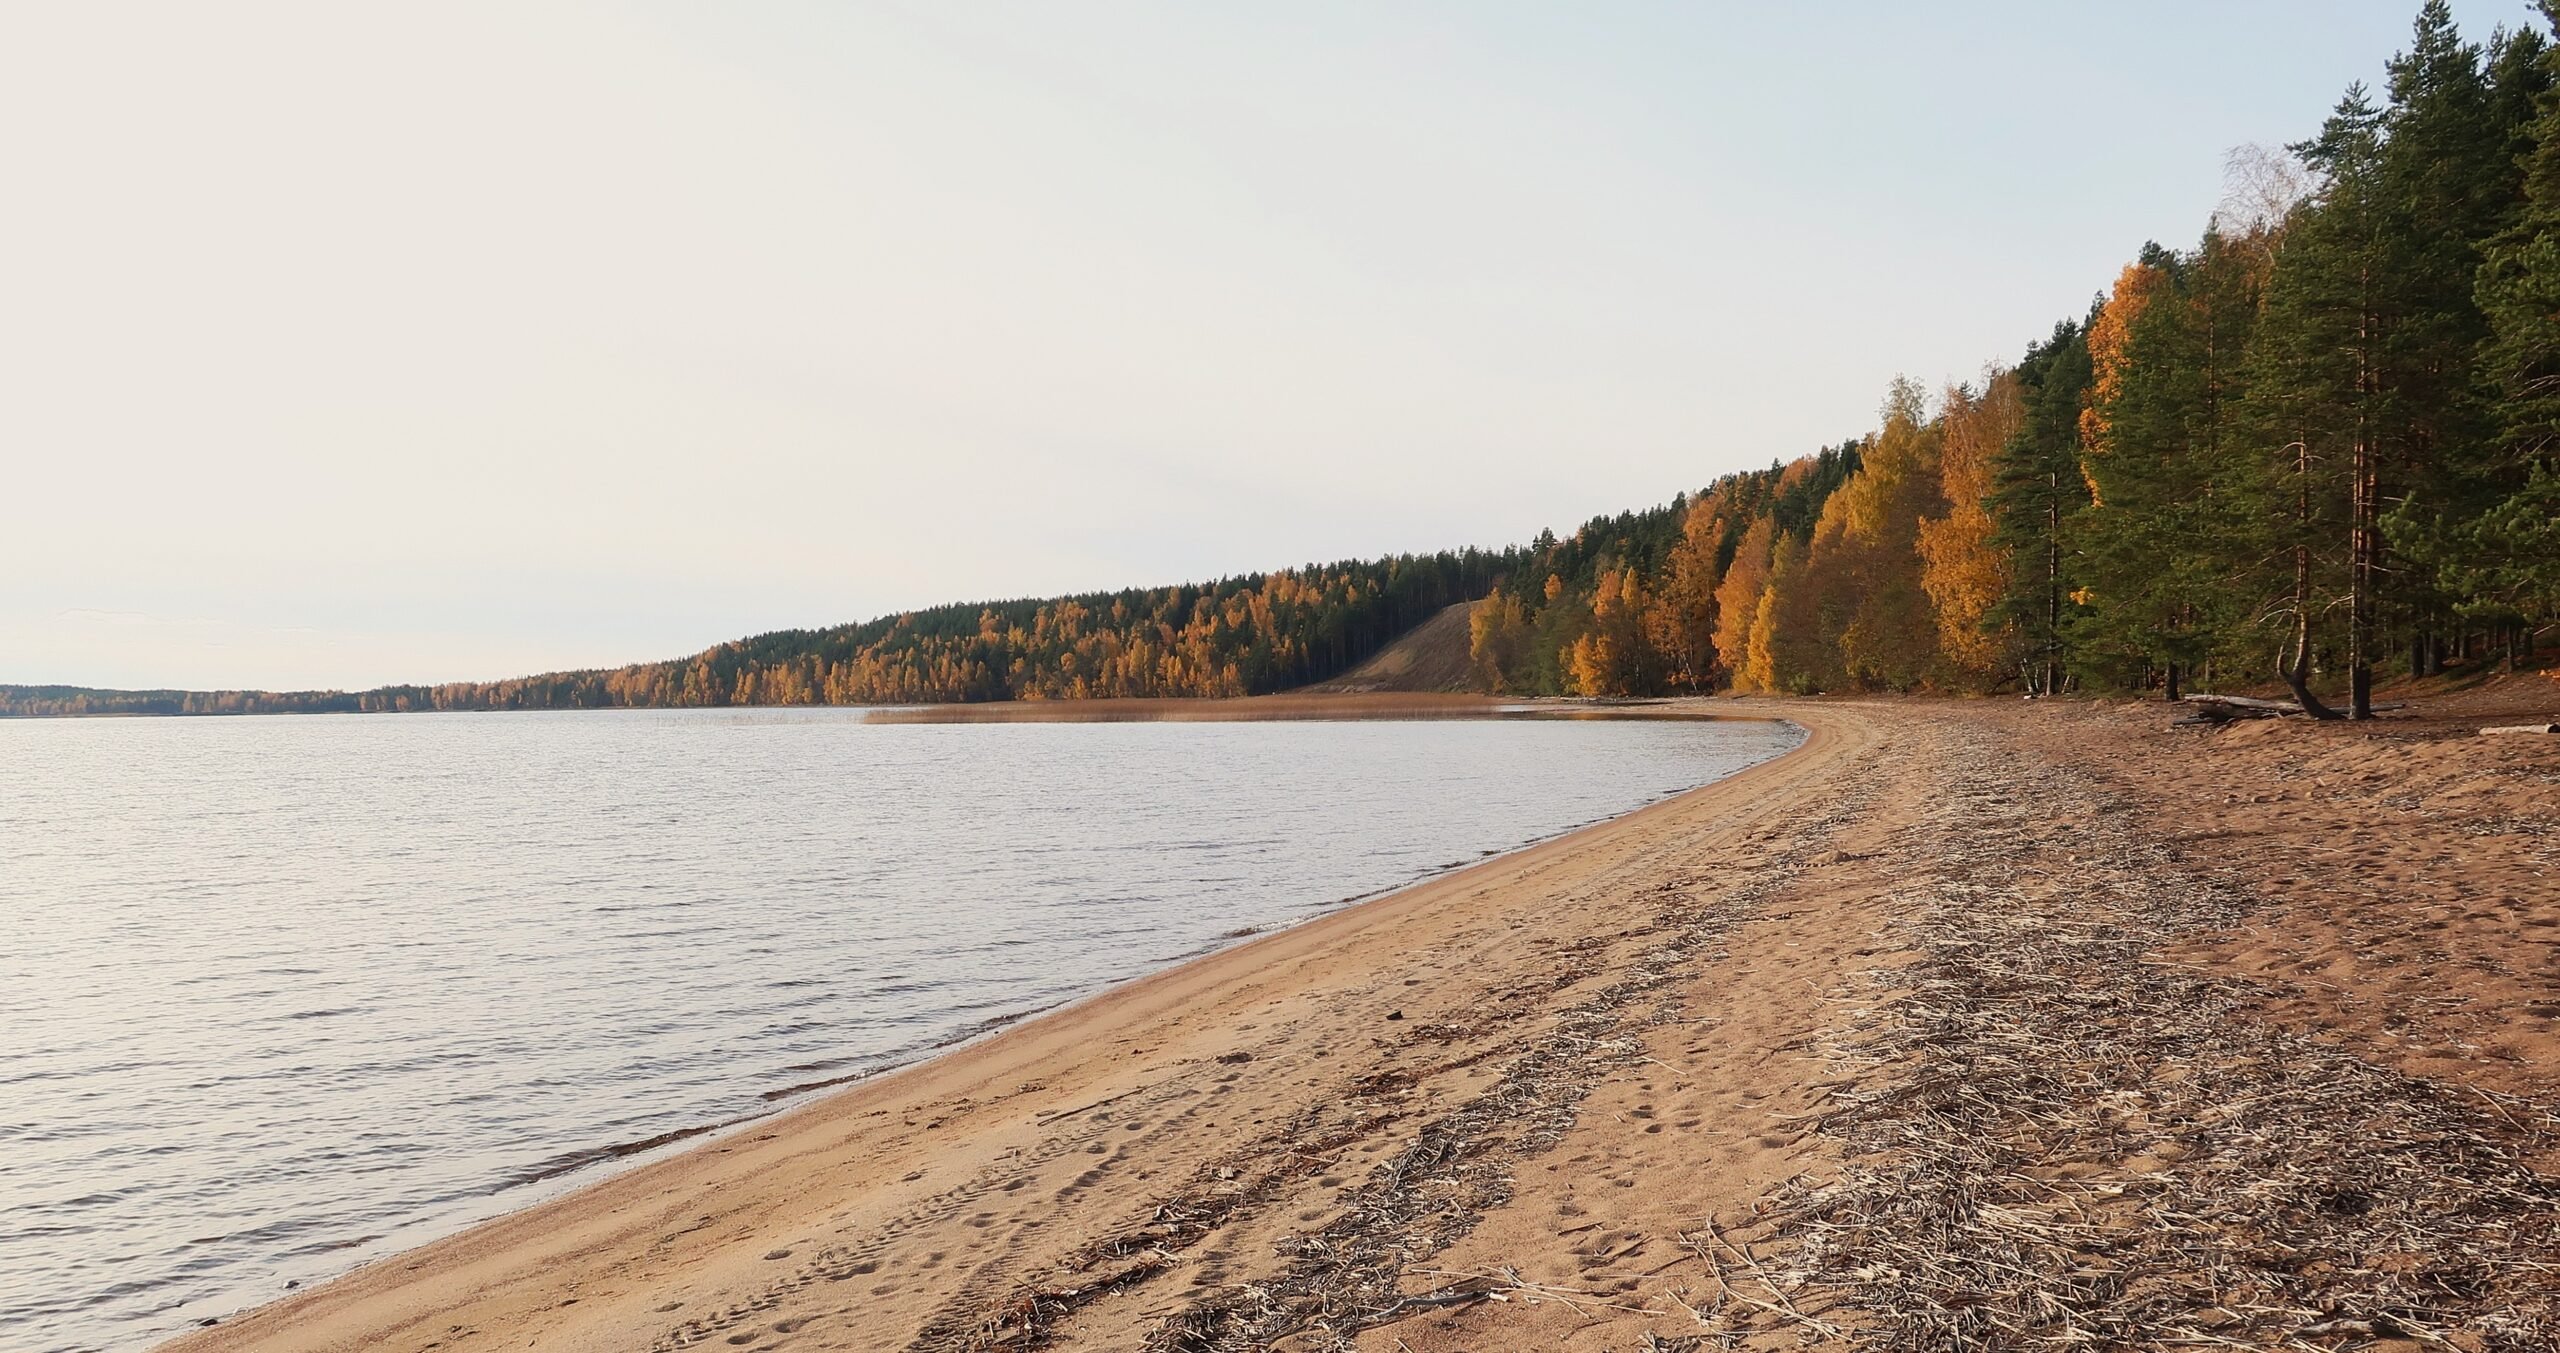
[(2226, 708), (2246, 702)]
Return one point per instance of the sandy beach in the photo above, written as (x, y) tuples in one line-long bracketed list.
[(1966, 1022)]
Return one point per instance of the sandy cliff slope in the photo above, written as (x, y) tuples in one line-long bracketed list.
[(1432, 656)]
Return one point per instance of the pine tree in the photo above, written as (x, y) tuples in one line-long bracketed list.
[(2495, 542), (2320, 403), (2449, 184), (2038, 498), (2132, 447), (2159, 545)]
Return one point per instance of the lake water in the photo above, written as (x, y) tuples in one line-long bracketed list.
[(279, 995)]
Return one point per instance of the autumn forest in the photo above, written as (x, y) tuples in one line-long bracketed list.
[(2318, 445)]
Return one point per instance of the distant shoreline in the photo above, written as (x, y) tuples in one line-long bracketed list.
[(1286, 707)]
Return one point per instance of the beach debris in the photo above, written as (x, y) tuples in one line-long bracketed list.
[(2057, 1141), (1456, 1164), (1046, 1116), (2215, 709), (1349, 1276), (2522, 728)]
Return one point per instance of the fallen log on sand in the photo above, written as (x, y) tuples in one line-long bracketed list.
[(2243, 707), (2226, 708), (2522, 728)]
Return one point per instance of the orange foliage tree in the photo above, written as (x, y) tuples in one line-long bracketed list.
[(1964, 573)]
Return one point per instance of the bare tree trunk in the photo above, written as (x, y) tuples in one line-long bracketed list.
[(2297, 672), (2363, 534), (2363, 545)]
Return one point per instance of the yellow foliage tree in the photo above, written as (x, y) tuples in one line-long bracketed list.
[(1963, 572), (1610, 657), (1860, 588), (1782, 646), (1680, 618), (1497, 637), (2110, 341), (1738, 596)]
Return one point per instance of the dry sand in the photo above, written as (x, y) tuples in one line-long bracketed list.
[(1965, 1025)]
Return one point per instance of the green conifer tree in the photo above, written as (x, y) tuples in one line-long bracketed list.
[(2038, 499)]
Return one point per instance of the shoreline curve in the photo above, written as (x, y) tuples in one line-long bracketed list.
[(402, 1293)]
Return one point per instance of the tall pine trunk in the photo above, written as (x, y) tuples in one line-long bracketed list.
[(2297, 671), (2363, 532), (2053, 585)]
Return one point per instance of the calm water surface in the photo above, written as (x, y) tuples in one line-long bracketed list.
[(279, 995)]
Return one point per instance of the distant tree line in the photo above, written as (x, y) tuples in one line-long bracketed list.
[(1237, 636)]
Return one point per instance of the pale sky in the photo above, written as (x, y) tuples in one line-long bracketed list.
[(349, 344)]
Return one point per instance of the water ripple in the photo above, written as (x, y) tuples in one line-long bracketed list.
[(279, 995)]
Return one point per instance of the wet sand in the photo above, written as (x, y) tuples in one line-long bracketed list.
[(1962, 1018)]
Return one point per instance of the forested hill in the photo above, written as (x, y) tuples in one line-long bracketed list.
[(1237, 636), (2322, 441)]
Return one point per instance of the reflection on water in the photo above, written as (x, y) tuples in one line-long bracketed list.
[(281, 994)]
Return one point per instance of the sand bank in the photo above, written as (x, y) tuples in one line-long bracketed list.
[(1958, 1019)]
